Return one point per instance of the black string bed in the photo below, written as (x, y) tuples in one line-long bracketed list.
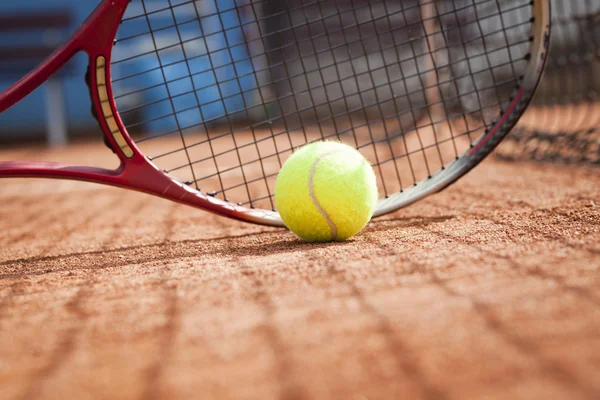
[(219, 93)]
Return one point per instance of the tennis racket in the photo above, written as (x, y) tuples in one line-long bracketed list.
[(203, 101)]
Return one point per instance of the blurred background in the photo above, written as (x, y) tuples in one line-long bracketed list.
[(563, 122), (58, 111), (29, 31)]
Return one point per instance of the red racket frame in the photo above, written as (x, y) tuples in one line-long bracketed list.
[(95, 37)]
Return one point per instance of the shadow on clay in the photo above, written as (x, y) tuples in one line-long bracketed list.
[(284, 242)]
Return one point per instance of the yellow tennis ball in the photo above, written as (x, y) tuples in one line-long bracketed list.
[(326, 191)]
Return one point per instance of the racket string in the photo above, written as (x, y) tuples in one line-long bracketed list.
[(399, 80), (478, 128), (389, 160), (208, 53), (247, 82), (342, 131)]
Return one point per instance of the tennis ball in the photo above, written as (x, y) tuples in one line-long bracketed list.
[(326, 191)]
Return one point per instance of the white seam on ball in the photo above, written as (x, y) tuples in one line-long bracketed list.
[(315, 201)]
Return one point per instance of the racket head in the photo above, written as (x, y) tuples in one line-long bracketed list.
[(219, 94), (204, 101)]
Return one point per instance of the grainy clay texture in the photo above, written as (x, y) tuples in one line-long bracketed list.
[(488, 290)]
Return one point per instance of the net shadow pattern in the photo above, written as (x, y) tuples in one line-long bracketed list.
[(219, 93), (563, 123)]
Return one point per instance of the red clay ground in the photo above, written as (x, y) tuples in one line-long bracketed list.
[(489, 290)]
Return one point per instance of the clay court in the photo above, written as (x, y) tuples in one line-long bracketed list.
[(489, 289)]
